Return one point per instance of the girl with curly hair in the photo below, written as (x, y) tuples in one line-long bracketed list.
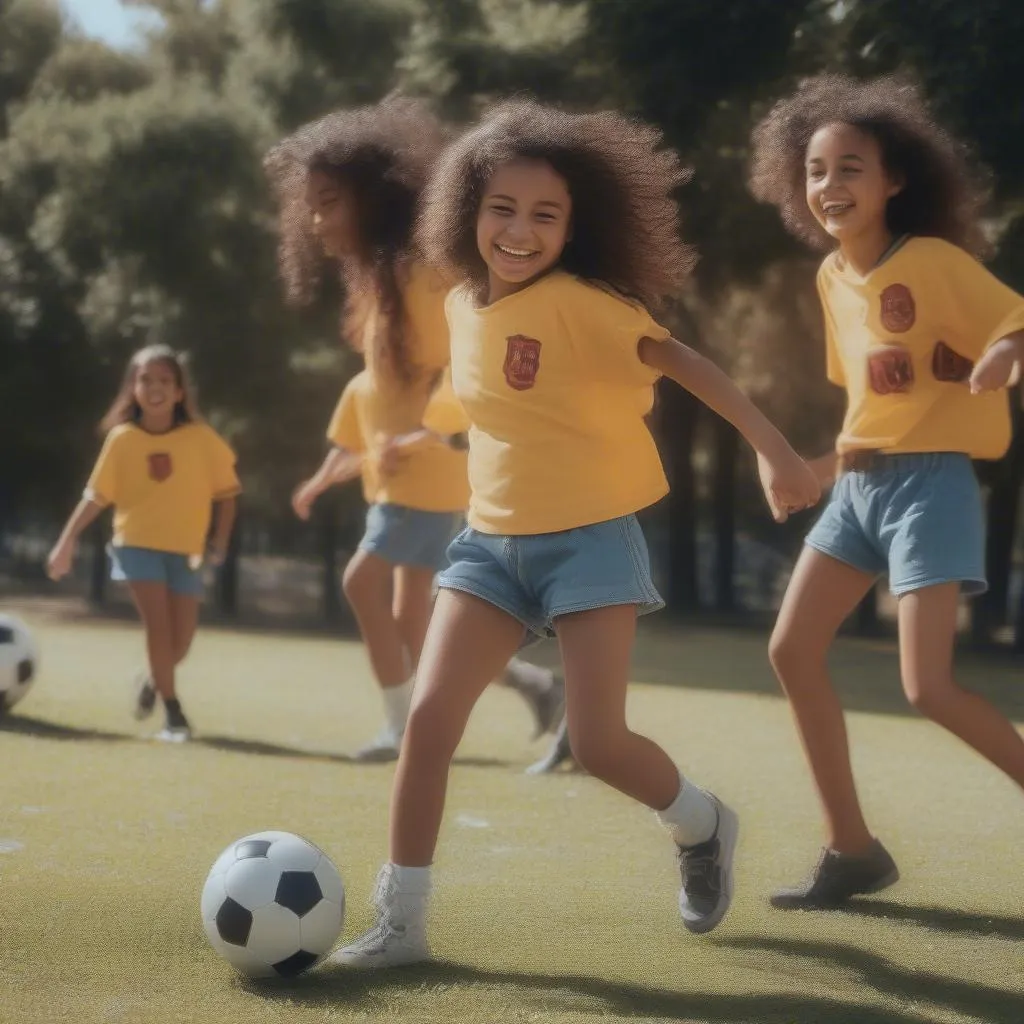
[(925, 342), (349, 186), (167, 474), (562, 229)]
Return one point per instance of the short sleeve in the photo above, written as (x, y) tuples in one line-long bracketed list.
[(102, 485), (222, 467), (833, 361), (344, 431), (444, 413), (425, 312), (608, 328), (976, 306)]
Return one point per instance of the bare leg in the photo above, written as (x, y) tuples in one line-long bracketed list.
[(596, 648), (468, 641), (154, 604), (927, 621), (411, 606), (184, 619), (821, 594), (369, 586)]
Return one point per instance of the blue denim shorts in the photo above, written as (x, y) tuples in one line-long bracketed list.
[(917, 517), (409, 536), (147, 565), (538, 577)]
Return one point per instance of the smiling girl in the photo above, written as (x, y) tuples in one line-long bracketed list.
[(162, 469), (562, 228), (924, 340)]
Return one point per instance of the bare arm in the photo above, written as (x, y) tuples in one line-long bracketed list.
[(86, 512), (339, 466), (1000, 366), (225, 512), (788, 482)]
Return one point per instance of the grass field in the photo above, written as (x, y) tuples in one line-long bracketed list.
[(555, 899)]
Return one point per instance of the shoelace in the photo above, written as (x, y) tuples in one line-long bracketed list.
[(701, 876)]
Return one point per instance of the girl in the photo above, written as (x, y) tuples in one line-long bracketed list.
[(349, 185), (924, 340), (162, 468), (561, 227)]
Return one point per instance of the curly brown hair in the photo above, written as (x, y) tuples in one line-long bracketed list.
[(384, 153), (942, 195), (625, 220)]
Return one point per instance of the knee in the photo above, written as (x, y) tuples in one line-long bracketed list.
[(929, 699), (358, 582), (431, 735), (791, 653)]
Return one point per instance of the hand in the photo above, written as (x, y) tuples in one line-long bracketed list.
[(389, 454), (997, 368), (218, 553), (61, 558), (302, 500), (789, 484)]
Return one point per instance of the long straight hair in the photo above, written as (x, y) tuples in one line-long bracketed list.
[(125, 409)]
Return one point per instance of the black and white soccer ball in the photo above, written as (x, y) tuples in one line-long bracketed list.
[(273, 905), (19, 661)]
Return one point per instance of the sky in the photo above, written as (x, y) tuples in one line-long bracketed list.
[(107, 19)]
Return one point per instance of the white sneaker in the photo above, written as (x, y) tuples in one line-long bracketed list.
[(398, 937), (174, 734), (383, 747)]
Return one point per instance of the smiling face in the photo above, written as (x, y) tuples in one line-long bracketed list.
[(157, 389), (331, 206), (847, 183), (522, 224)]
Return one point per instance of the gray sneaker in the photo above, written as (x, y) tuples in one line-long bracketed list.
[(145, 697), (838, 876), (384, 747), (543, 691), (706, 872), (560, 752)]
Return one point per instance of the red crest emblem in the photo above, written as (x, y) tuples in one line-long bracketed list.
[(160, 466), (898, 312), (950, 367), (522, 361), (890, 370)]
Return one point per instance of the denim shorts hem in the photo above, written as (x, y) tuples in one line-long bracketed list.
[(472, 587), (131, 564), (592, 604), (973, 585), (834, 552)]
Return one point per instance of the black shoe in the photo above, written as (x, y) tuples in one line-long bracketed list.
[(145, 697), (706, 872), (559, 753), (838, 876)]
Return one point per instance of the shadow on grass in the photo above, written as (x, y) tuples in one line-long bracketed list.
[(27, 726), (575, 996), (942, 919), (969, 998)]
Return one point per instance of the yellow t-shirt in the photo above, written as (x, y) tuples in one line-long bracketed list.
[(432, 477), (552, 383), (162, 486), (902, 341)]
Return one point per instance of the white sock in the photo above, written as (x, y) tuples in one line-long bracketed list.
[(411, 881), (396, 705), (691, 818), (525, 676)]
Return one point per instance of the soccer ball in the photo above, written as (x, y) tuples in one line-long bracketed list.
[(18, 660), (273, 905)]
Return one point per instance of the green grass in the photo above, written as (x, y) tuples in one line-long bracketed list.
[(555, 898)]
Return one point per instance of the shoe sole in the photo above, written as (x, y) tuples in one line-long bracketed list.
[(728, 835), (360, 963), (375, 756), (805, 904)]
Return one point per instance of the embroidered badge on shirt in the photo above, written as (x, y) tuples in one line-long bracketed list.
[(950, 367), (890, 370), (522, 361), (898, 313), (160, 466)]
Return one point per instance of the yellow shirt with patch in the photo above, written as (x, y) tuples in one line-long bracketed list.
[(163, 486), (552, 384), (376, 405), (903, 340)]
